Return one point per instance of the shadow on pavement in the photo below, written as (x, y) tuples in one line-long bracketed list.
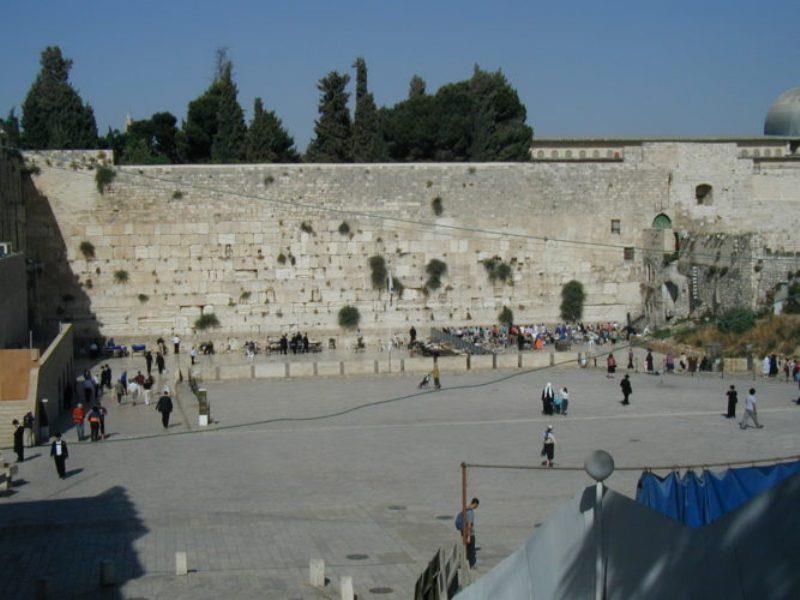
[(63, 541)]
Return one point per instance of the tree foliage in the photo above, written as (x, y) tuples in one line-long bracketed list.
[(366, 135), (416, 87), (150, 141), (572, 298), (332, 132), (228, 142), (480, 119), (53, 114), (9, 131), (736, 320), (267, 140)]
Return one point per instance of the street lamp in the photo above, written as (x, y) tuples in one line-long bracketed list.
[(599, 465)]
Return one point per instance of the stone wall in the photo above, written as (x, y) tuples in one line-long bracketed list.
[(230, 239), (12, 207), (13, 302)]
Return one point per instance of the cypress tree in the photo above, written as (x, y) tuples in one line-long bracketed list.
[(53, 114), (9, 131), (267, 140), (365, 125), (416, 87), (333, 135), (228, 144)]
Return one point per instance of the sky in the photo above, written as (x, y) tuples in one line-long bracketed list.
[(582, 69)]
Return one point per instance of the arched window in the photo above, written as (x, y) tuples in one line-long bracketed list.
[(662, 221), (704, 194)]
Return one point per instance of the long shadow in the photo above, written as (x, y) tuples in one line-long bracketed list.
[(55, 292), (64, 540)]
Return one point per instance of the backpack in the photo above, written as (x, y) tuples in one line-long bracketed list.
[(460, 521)]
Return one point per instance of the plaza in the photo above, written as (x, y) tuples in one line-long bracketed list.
[(277, 480)]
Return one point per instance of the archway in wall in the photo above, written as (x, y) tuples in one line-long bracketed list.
[(662, 221)]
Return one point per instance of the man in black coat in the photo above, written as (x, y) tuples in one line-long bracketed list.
[(19, 444), (60, 454), (733, 398), (627, 389), (164, 406)]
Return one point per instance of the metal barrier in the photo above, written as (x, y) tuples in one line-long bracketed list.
[(444, 576), (437, 335)]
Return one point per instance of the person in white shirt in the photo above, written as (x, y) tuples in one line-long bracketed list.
[(176, 343), (60, 453), (750, 410)]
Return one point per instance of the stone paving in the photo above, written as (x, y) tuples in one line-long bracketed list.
[(251, 499)]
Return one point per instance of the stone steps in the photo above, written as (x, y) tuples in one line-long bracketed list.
[(10, 410)]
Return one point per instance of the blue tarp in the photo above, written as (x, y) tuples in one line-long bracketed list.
[(697, 500)]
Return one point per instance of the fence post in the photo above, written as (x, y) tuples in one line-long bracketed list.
[(494, 360)]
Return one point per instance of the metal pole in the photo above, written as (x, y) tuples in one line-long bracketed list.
[(599, 588), (464, 503)]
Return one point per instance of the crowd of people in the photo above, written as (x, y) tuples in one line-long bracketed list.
[(536, 337)]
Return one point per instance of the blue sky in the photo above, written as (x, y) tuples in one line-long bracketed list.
[(581, 68)]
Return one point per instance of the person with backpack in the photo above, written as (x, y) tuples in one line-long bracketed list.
[(548, 446), (469, 535)]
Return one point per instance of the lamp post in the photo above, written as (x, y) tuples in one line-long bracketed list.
[(599, 465)]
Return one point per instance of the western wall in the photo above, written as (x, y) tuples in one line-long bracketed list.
[(260, 245)]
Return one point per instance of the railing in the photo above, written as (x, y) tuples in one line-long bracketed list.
[(444, 576), (437, 335)]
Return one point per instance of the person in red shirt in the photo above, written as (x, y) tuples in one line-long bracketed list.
[(78, 415)]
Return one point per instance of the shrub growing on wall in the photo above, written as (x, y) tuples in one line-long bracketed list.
[(103, 177), (377, 266), (437, 206), (792, 303), (121, 276), (306, 227), (349, 317), (506, 316), (435, 269), (572, 298), (736, 320), (398, 287), (206, 321), (344, 228), (497, 270), (87, 249)]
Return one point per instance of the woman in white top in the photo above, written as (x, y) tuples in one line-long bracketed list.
[(564, 400)]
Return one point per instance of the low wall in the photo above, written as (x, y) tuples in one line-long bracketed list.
[(447, 364), (49, 382), (385, 366)]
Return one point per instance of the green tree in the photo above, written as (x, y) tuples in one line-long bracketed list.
[(572, 298), (150, 141), (333, 134), (9, 131), (366, 139), (416, 87), (499, 129), (200, 127), (53, 114), (267, 140), (228, 142)]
